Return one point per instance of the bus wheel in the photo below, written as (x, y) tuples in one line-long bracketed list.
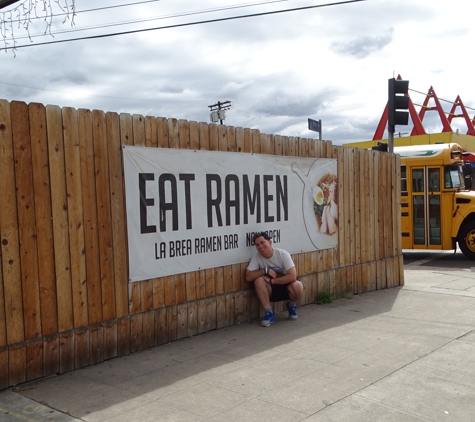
[(466, 240)]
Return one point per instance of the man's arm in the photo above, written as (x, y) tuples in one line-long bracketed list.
[(252, 275), (289, 277)]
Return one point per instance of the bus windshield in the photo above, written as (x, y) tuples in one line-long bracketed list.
[(453, 177)]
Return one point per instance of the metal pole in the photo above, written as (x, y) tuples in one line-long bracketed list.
[(391, 130)]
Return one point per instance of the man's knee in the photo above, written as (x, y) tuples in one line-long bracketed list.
[(296, 290), (261, 283)]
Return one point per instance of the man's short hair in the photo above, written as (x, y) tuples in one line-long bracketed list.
[(259, 234)]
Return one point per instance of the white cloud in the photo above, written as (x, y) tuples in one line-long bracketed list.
[(329, 63)]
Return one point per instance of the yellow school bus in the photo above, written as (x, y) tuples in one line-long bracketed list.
[(437, 204)]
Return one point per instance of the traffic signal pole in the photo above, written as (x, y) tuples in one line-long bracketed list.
[(391, 131)]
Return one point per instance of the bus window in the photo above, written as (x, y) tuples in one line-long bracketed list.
[(418, 180), (403, 179), (434, 180), (452, 177)]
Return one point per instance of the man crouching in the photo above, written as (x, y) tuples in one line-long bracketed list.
[(275, 278)]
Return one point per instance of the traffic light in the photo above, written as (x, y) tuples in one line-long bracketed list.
[(382, 146), (398, 102)]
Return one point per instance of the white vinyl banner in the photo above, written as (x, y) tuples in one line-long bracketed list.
[(191, 210)]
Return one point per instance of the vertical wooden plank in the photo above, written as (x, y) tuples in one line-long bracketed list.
[(180, 286), (255, 141), (158, 293), (278, 146), (220, 311), (66, 352), (91, 230), (83, 349), (170, 290), (110, 340), (97, 344), (123, 337), (118, 215), (311, 148), (374, 240), (201, 316), (397, 226), (231, 135), (162, 132), (383, 178), (161, 329), (182, 321), (222, 138), (239, 138), (236, 277), (230, 307), (194, 136), (126, 137), (210, 288), (239, 307), (350, 174), (148, 328), (378, 205), (172, 322), (190, 281), (136, 332), (247, 140), (51, 356), (192, 318), (26, 219), (201, 284), (264, 143), (151, 139), (106, 256), (60, 217), (34, 360), (219, 280), (344, 199), (154, 284), (3, 318), (72, 158), (139, 136), (173, 138), (228, 278), (285, 146), (204, 136), (400, 265), (213, 138), (17, 365), (211, 321), (44, 226), (183, 134), (4, 380)]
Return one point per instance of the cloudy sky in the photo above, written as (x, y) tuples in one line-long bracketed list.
[(330, 63)]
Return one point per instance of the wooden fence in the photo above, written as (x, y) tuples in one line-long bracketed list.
[(65, 300)]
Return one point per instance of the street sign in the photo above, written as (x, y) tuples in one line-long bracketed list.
[(315, 125)]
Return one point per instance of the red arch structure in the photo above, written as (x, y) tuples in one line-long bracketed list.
[(417, 118)]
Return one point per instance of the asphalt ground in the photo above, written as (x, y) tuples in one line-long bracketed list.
[(401, 354)]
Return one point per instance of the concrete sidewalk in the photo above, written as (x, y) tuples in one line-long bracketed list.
[(402, 354)]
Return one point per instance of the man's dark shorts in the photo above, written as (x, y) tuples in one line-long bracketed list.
[(279, 292)]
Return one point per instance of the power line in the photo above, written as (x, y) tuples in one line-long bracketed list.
[(87, 10), (175, 15), (186, 24)]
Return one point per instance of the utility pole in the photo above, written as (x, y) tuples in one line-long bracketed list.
[(218, 111)]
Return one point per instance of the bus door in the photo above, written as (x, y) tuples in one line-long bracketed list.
[(426, 195)]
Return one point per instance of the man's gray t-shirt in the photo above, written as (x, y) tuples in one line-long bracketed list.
[(280, 261)]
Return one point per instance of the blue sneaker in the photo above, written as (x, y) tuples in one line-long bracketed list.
[(292, 311), (268, 320)]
